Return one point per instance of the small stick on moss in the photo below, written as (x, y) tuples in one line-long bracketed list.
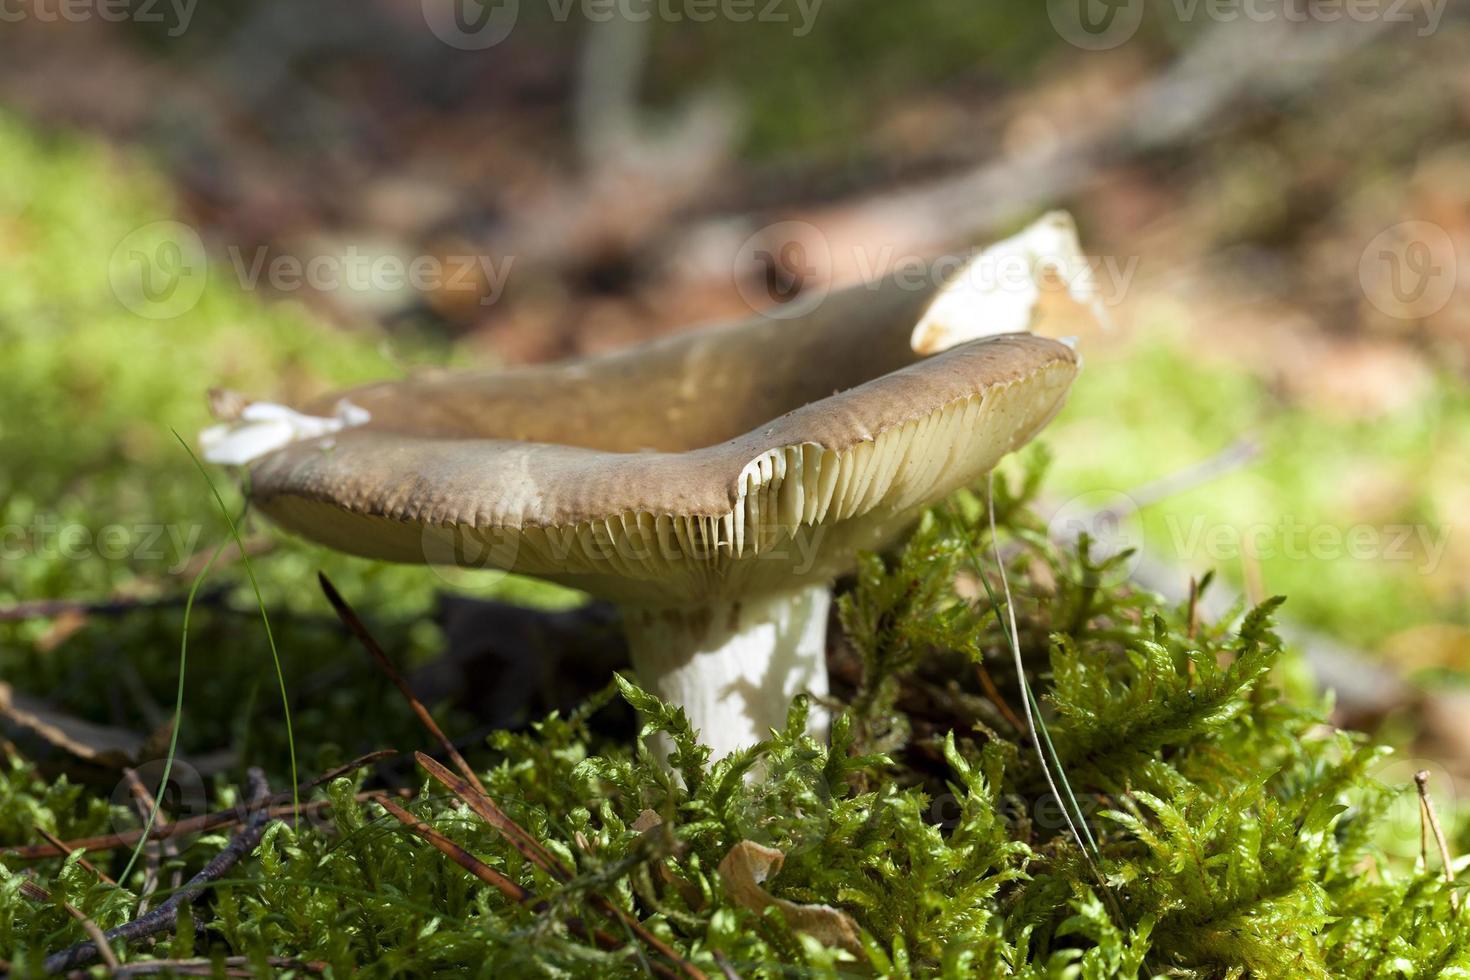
[(725, 967), (165, 916), (1426, 803), (1193, 618), (159, 850), (460, 856), (98, 939), (473, 793), (280, 806), (56, 842), (350, 619), (234, 966), (532, 850), (993, 693), (506, 887), (489, 811)]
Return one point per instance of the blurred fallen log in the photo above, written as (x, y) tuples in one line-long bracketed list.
[(1235, 65)]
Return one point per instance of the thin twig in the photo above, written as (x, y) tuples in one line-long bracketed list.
[(56, 842), (1426, 802), (218, 820), (993, 693), (533, 851), (279, 806), (1193, 615), (470, 790), (1238, 454), (510, 889), (725, 967), (98, 939), (235, 966), (116, 606), (354, 624), (488, 810), (166, 847), (165, 916), (460, 856)]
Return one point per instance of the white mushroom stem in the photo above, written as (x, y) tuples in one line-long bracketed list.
[(735, 665)]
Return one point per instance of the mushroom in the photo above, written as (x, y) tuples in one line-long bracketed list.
[(713, 483)]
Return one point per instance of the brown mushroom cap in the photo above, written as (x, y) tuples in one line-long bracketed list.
[(752, 457)]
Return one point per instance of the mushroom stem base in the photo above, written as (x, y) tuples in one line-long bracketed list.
[(735, 665)]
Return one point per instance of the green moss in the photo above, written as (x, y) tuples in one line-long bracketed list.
[(1236, 830)]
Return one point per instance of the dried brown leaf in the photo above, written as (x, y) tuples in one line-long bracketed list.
[(749, 865)]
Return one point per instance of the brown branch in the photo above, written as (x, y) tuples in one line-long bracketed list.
[(1193, 615), (511, 890), (993, 693), (116, 606), (460, 856), (532, 849), (98, 939), (279, 805), (1426, 804), (165, 916), (489, 811), (145, 804), (56, 842), (354, 624), (470, 790)]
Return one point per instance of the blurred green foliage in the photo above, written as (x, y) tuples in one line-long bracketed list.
[(99, 500), (1151, 408)]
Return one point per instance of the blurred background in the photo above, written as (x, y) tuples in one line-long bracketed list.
[(282, 198)]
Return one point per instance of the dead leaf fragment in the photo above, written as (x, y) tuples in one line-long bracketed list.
[(100, 744), (646, 821), (749, 865)]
